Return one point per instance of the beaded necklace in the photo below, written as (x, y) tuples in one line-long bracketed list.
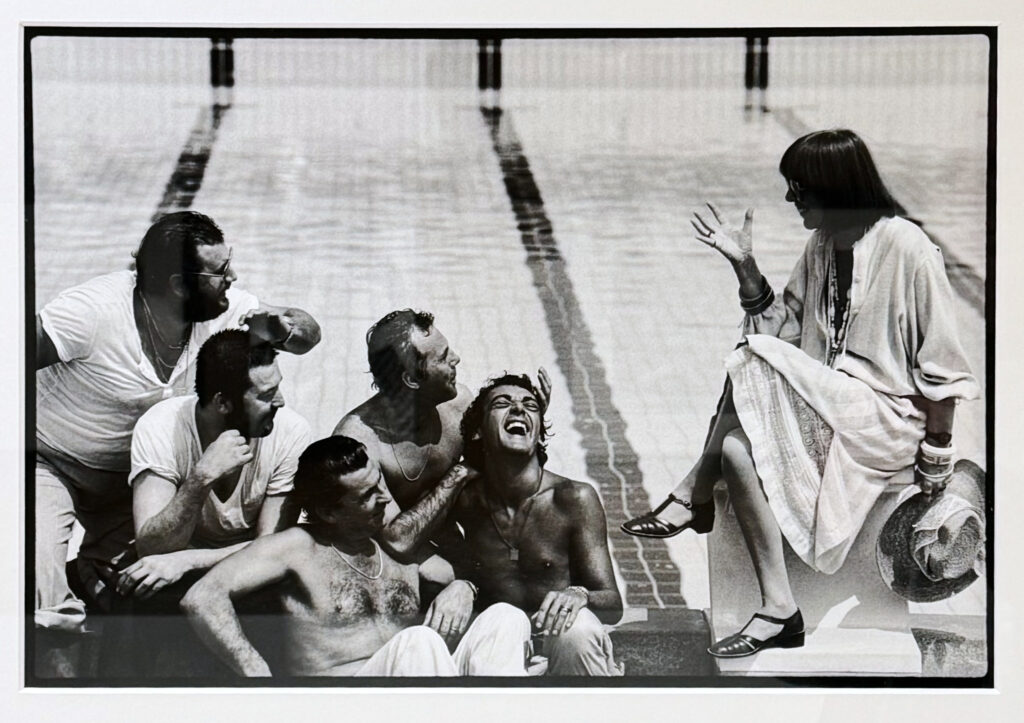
[(836, 336)]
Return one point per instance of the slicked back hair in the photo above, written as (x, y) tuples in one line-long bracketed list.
[(473, 419), (390, 350), (837, 166), (223, 365), (170, 247), (320, 467)]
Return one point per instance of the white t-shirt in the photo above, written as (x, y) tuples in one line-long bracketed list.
[(87, 406), (166, 442)]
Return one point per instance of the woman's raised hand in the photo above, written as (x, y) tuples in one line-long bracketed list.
[(735, 244)]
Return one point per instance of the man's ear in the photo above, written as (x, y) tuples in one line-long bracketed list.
[(410, 381), (176, 283), (325, 513), (222, 404)]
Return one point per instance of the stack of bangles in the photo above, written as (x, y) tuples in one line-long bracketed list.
[(759, 303), (935, 464)]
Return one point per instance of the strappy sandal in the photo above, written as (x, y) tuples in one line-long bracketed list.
[(740, 645), (650, 525)]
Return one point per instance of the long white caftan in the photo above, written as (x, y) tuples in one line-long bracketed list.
[(828, 440)]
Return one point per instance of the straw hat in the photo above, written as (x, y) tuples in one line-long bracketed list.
[(932, 547)]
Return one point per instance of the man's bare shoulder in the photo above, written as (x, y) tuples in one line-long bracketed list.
[(296, 538), (290, 547), (360, 424), (570, 495)]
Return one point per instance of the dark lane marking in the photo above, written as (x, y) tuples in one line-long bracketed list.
[(188, 173), (652, 579), (965, 280)]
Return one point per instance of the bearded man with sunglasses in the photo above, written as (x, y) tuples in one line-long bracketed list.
[(106, 351)]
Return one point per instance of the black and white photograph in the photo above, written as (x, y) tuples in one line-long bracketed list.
[(509, 357)]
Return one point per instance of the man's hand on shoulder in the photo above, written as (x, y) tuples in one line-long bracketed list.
[(459, 474), (225, 455), (451, 610)]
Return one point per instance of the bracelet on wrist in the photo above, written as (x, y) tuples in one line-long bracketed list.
[(933, 477), (475, 590), (581, 590), (939, 456), (759, 303)]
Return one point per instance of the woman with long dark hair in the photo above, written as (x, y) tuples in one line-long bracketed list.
[(848, 377)]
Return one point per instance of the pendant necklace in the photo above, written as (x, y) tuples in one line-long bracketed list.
[(380, 570), (513, 550)]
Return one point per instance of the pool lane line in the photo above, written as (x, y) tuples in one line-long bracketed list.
[(651, 578), (962, 277), (188, 172)]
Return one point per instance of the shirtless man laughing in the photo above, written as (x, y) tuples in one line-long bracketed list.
[(350, 609), (533, 539)]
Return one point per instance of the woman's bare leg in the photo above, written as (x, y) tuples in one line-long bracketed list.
[(699, 482), (760, 532)]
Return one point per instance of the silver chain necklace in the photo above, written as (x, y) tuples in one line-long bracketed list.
[(151, 326), (377, 552), (402, 469), (151, 322)]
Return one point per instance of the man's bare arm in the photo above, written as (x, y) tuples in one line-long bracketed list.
[(209, 603), (403, 536), (590, 564), (165, 516), (153, 573), (279, 512)]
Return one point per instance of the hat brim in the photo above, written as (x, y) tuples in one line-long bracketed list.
[(896, 564)]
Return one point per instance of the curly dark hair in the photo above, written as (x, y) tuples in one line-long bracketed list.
[(389, 347), (472, 420)]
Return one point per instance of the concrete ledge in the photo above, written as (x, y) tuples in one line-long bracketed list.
[(669, 642), (952, 646), (835, 651)]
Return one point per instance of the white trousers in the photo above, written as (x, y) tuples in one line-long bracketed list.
[(496, 644)]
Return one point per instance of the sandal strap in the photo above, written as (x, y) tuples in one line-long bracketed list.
[(668, 501), (750, 643), (771, 619)]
